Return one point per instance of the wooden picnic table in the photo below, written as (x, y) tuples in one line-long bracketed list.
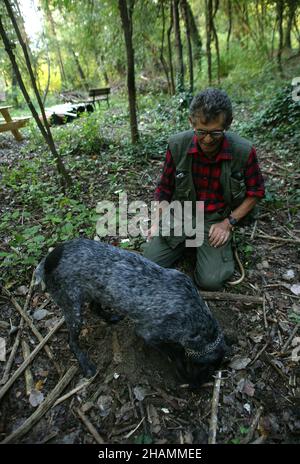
[(11, 124)]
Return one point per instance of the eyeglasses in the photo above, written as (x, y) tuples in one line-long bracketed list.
[(216, 134)]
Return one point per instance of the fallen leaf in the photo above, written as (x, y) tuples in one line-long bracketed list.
[(22, 290), (295, 289), (2, 349), (289, 275), (36, 398), (40, 314), (239, 363), (139, 393)]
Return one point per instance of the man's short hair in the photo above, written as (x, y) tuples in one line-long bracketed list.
[(209, 104)]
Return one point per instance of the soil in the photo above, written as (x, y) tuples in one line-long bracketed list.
[(136, 396)]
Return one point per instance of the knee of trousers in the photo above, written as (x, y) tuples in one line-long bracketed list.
[(213, 280)]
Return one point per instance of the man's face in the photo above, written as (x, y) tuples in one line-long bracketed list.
[(209, 142)]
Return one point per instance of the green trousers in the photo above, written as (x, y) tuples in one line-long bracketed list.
[(214, 266)]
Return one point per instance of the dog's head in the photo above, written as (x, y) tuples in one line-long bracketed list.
[(197, 366)]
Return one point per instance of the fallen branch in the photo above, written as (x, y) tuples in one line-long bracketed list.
[(214, 410), (28, 374), (276, 239), (231, 297), (27, 361), (75, 390), (12, 355), (30, 323), (285, 346), (90, 427), (43, 407)]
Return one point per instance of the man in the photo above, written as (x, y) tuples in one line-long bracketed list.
[(220, 168)]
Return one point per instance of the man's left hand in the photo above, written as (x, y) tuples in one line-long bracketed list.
[(219, 233)]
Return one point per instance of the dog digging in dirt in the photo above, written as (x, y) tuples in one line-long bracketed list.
[(164, 304)]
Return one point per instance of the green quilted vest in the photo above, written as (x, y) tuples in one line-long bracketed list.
[(232, 174)]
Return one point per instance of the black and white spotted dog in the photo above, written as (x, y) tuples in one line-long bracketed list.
[(167, 309)]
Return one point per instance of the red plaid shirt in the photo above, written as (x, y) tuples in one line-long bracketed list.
[(206, 176)]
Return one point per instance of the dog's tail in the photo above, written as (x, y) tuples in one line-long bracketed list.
[(39, 275)]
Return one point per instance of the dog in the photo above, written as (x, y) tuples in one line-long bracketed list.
[(164, 304)]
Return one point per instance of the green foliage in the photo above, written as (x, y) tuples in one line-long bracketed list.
[(279, 117)]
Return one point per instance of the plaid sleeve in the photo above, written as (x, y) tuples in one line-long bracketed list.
[(165, 187), (253, 177)]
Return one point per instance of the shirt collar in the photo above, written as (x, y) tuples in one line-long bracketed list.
[(224, 153)]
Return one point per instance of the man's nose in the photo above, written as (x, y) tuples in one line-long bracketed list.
[(208, 138)]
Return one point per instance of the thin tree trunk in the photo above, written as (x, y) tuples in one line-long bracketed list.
[(216, 39), (189, 44), (126, 12), (208, 20), (178, 45), (48, 78), (80, 70), (229, 12), (45, 129), (195, 36), (292, 4), (58, 51), (170, 54), (280, 9), (162, 58)]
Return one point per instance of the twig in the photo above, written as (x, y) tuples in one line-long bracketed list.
[(90, 427), (28, 375), (253, 231), (75, 390), (214, 410), (12, 355), (260, 352), (30, 323), (27, 361), (135, 429), (285, 346), (43, 407), (264, 312), (231, 297), (253, 427)]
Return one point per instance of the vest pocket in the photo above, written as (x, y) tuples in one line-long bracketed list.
[(238, 191), (182, 185)]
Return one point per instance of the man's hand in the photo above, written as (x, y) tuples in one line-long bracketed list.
[(219, 233), (152, 231)]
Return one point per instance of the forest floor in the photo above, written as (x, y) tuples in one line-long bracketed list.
[(135, 396)]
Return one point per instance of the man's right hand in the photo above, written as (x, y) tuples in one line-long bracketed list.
[(152, 231)]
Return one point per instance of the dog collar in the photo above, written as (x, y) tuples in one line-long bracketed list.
[(196, 355)]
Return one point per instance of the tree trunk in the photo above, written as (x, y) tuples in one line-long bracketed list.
[(162, 58), (292, 7), (126, 12), (189, 44), (80, 70), (170, 54), (208, 21), (45, 129), (229, 13), (178, 45), (58, 51), (195, 36), (280, 9), (216, 39)]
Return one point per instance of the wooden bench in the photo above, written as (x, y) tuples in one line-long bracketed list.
[(98, 95), (13, 125)]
